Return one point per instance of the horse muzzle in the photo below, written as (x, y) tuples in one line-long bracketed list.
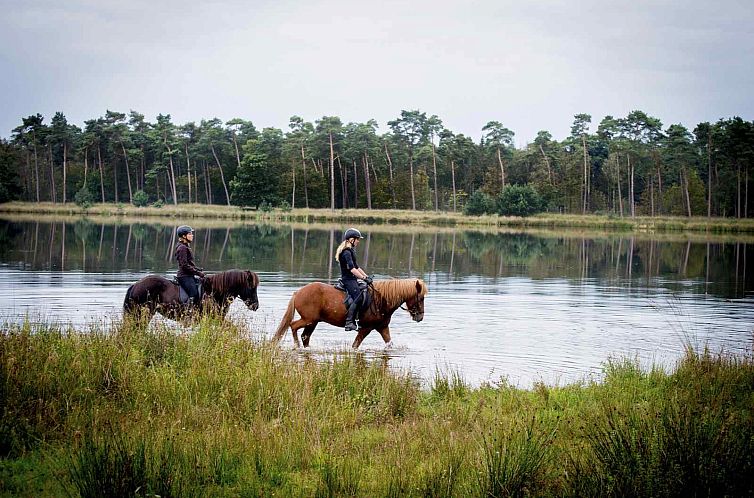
[(253, 305), (418, 317)]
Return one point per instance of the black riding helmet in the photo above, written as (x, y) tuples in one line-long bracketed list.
[(183, 230), (352, 233)]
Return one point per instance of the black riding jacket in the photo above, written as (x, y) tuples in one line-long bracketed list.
[(185, 258), (347, 260)]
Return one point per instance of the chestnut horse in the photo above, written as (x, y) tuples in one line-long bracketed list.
[(317, 302), (154, 293)]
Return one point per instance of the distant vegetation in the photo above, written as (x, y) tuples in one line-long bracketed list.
[(627, 167), (218, 412)]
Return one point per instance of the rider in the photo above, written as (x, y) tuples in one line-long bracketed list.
[(186, 267), (350, 272)]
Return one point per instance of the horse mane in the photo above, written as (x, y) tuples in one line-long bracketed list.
[(223, 282), (396, 291)]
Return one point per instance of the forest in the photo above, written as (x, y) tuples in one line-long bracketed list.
[(627, 166)]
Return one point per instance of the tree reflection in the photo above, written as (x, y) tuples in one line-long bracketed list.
[(614, 259)]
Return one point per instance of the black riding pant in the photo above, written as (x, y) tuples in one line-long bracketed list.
[(189, 285), (352, 287)]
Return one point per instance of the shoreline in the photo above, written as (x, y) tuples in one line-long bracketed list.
[(377, 217)]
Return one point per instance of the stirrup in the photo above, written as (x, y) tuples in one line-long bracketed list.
[(351, 326)]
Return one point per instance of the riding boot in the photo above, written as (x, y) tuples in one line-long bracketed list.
[(351, 315)]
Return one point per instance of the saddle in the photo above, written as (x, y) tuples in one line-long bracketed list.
[(366, 299), (184, 297)]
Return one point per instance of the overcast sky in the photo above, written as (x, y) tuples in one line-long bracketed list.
[(531, 65)]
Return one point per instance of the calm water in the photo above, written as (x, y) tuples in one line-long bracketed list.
[(515, 306)]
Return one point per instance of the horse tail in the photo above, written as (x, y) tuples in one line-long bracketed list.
[(287, 319), (128, 304)]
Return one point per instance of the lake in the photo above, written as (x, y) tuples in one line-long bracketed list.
[(505, 306)]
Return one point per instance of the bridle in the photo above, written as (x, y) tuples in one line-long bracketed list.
[(413, 310)]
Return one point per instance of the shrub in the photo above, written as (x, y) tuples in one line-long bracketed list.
[(519, 200), (140, 199), (285, 206), (84, 198), (479, 203), (265, 206), (158, 203)]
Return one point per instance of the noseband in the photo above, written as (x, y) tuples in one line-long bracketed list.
[(413, 310)]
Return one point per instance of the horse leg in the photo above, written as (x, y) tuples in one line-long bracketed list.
[(385, 333), (295, 325), (360, 337), (308, 331)]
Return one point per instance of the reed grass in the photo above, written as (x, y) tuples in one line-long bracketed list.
[(184, 212), (213, 412)]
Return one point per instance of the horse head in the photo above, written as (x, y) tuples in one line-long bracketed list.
[(248, 292), (227, 285), (415, 302)]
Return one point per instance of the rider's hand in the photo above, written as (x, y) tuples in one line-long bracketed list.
[(200, 274)]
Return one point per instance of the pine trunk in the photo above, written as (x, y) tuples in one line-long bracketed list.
[(390, 171), (65, 178), (293, 190), (453, 178), (332, 174), (128, 174), (188, 169), (411, 170), (709, 175), (367, 181), (36, 167), (53, 193), (434, 171), (101, 173), (222, 176), (303, 165), (620, 193)]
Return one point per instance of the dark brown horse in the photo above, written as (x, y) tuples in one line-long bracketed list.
[(155, 294), (318, 302)]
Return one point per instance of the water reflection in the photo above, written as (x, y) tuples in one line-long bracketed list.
[(703, 266), (521, 306)]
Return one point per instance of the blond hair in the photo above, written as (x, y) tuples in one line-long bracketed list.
[(340, 248)]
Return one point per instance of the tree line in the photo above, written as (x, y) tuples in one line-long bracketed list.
[(627, 166)]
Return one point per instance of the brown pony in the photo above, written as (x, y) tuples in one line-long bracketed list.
[(317, 302), (154, 293)]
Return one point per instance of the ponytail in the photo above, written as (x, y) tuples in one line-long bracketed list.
[(340, 248)]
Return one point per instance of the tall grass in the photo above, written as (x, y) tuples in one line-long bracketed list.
[(139, 411), (392, 217)]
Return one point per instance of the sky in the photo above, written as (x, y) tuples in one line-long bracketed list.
[(531, 65)]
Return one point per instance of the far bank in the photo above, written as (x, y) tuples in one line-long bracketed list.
[(391, 216)]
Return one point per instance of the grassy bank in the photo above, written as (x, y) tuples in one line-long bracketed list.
[(216, 413), (202, 211)]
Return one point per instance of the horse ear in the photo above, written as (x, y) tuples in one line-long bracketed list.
[(418, 286)]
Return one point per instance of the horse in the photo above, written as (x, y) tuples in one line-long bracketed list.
[(154, 293), (318, 302)]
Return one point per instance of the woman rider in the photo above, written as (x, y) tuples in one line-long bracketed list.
[(350, 272), (186, 267)]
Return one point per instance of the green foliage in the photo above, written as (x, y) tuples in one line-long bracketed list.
[(151, 412), (256, 182), (140, 198), (84, 198), (158, 203), (10, 187), (478, 204), (519, 200), (515, 458)]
